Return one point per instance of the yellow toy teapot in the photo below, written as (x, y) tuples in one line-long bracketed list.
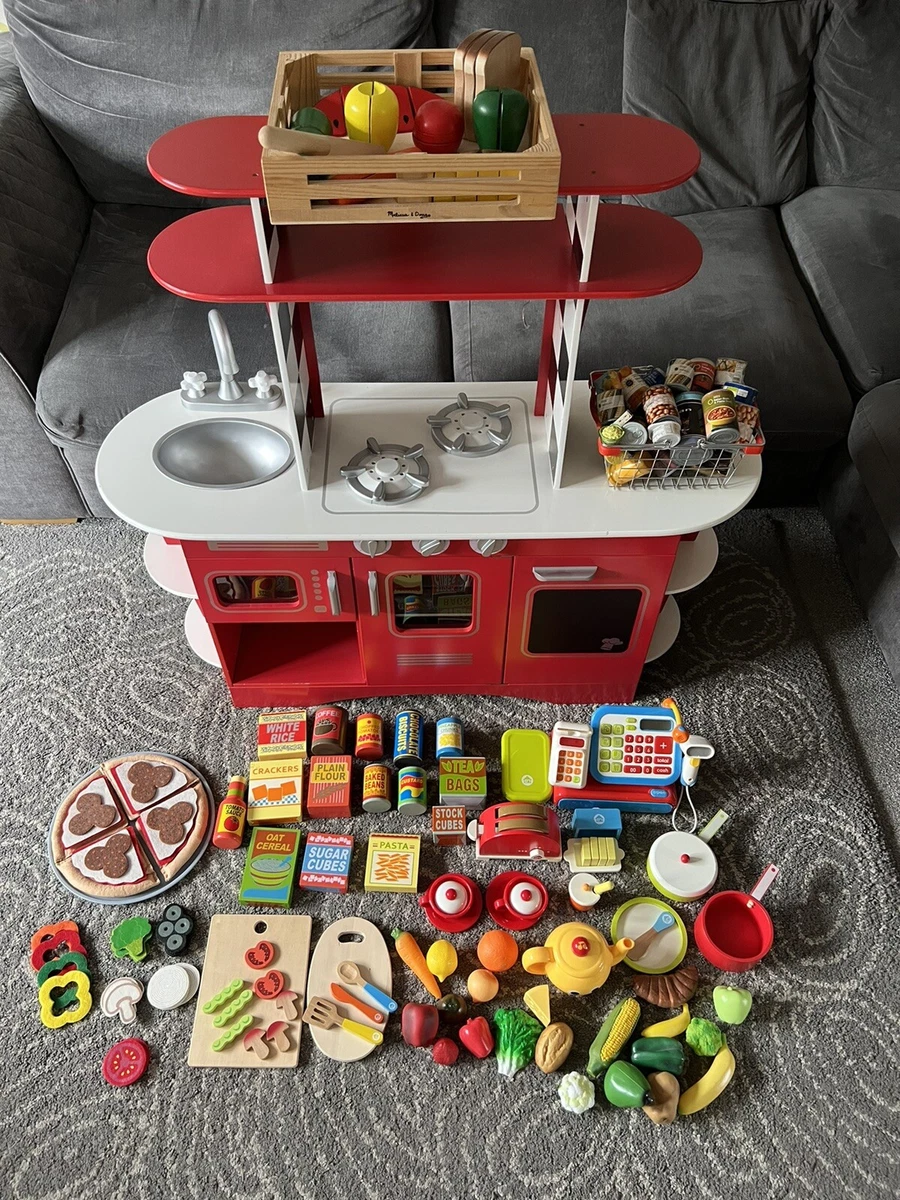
[(575, 958)]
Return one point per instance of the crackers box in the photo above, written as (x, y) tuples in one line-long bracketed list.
[(281, 735), (328, 792), (462, 781), (392, 863), (326, 862), (270, 867), (275, 792)]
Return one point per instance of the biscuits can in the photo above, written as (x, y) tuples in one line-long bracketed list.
[(376, 788), (730, 370), (412, 794), (680, 374), (409, 738), (609, 405), (720, 416), (329, 731), (704, 374)]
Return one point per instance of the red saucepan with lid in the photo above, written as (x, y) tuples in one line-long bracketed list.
[(733, 931)]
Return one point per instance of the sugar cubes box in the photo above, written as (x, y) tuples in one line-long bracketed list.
[(326, 862)]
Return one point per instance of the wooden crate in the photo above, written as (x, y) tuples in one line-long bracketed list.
[(298, 192)]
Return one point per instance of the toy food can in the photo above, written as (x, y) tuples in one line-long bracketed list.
[(690, 451), (747, 411), (634, 387), (231, 816), (690, 412), (729, 370), (449, 738), (610, 380), (412, 796), (628, 436), (329, 731), (263, 588), (704, 374), (663, 423), (369, 736), (376, 788), (720, 416), (609, 405), (409, 738), (680, 374), (412, 606)]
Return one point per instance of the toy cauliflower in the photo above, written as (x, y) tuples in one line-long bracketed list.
[(517, 1035), (704, 1038), (576, 1093)]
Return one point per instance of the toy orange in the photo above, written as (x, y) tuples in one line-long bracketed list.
[(482, 986), (497, 950)]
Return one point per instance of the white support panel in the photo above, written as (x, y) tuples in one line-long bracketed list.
[(694, 562), (198, 636), (294, 393), (167, 568), (668, 625), (586, 220), (268, 251)]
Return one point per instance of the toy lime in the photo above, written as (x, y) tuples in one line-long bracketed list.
[(311, 120), (658, 1054), (441, 960), (625, 1086), (704, 1038), (614, 1033), (499, 116), (576, 1093), (732, 1004), (372, 114)]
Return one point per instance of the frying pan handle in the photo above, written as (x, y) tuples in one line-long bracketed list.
[(764, 882)]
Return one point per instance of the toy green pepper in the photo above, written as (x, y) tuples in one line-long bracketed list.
[(499, 116), (658, 1054), (625, 1087), (311, 120)]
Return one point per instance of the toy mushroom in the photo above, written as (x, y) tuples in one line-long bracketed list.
[(286, 1002), (277, 1033), (254, 1040), (120, 998)]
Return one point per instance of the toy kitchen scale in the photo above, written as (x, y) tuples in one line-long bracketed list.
[(362, 540)]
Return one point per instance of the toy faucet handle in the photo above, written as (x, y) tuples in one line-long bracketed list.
[(193, 384), (263, 385)]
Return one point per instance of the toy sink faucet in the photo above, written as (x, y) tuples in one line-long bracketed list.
[(261, 394)]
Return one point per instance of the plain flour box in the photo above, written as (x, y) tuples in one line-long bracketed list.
[(326, 862)]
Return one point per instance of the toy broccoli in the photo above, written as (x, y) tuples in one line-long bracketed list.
[(517, 1035), (129, 938), (704, 1037)]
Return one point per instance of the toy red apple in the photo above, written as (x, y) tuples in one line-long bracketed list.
[(438, 128)]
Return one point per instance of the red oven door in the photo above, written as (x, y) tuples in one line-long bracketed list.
[(583, 619), (436, 622)]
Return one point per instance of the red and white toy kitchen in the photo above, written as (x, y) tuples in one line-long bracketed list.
[(415, 538)]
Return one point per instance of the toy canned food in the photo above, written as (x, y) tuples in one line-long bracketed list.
[(369, 736), (329, 731), (729, 370), (263, 588), (409, 737), (376, 788), (449, 738), (413, 606), (720, 416), (680, 374), (663, 422), (412, 793), (704, 374)]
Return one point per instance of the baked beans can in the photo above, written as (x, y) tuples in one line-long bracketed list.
[(729, 370), (690, 413), (449, 738), (409, 738), (329, 730), (412, 791), (263, 588), (663, 423), (720, 416), (704, 370), (376, 788), (369, 736), (680, 374)]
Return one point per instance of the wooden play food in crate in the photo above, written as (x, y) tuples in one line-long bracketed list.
[(298, 192)]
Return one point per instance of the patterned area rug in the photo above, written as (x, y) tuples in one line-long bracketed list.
[(773, 664)]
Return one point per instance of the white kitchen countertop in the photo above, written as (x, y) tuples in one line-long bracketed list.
[(512, 498)]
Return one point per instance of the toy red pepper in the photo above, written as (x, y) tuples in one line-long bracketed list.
[(477, 1038)]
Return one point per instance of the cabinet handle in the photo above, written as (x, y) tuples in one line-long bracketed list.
[(373, 593), (563, 574), (334, 593)]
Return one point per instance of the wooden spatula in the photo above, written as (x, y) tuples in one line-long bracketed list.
[(325, 1015)]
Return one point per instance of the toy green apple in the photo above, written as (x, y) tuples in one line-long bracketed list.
[(499, 116), (310, 120), (732, 1004)]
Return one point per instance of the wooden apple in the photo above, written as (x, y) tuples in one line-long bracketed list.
[(438, 128)]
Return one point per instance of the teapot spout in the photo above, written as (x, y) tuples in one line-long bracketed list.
[(621, 949)]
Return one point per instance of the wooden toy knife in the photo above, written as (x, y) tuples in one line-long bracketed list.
[(374, 1014), (292, 141)]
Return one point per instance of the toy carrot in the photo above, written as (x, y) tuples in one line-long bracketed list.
[(408, 949)]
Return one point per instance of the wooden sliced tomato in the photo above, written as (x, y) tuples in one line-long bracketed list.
[(260, 956), (126, 1062), (269, 985)]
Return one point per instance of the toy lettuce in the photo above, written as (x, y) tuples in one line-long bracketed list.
[(517, 1035)]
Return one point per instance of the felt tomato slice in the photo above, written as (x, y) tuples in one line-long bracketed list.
[(126, 1062)]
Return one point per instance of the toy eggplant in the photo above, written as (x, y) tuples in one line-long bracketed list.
[(372, 114), (499, 116)]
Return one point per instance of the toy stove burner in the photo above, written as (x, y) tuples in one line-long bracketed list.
[(471, 428), (388, 474)]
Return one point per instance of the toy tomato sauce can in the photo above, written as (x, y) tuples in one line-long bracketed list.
[(409, 738), (329, 731), (369, 736), (412, 794), (376, 789), (449, 738), (228, 832)]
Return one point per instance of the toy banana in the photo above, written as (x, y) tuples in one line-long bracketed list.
[(670, 1028), (710, 1086)]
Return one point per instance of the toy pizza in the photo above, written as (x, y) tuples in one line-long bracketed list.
[(134, 825)]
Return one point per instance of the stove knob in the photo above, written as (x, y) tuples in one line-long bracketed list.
[(431, 546), (372, 549), (487, 547)]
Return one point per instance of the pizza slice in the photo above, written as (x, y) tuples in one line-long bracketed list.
[(173, 830), (111, 866), (145, 779), (89, 810)]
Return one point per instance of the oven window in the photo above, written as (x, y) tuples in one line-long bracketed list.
[(582, 620), (256, 589), (431, 601)]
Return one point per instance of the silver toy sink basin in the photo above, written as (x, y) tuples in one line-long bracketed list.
[(223, 453)]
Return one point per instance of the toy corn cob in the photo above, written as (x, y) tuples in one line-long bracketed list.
[(614, 1034)]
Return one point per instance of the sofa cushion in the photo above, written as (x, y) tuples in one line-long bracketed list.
[(856, 99), (874, 445), (578, 45), (108, 79), (122, 339), (847, 244), (746, 301), (736, 76)]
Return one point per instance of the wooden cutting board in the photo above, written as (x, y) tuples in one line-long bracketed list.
[(230, 936), (354, 940)]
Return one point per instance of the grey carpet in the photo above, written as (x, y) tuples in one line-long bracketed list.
[(774, 664)]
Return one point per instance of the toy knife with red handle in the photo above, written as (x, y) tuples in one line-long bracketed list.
[(367, 1010)]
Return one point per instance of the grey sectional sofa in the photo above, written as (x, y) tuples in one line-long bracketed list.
[(797, 204)]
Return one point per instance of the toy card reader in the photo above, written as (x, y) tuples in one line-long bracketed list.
[(634, 745)]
